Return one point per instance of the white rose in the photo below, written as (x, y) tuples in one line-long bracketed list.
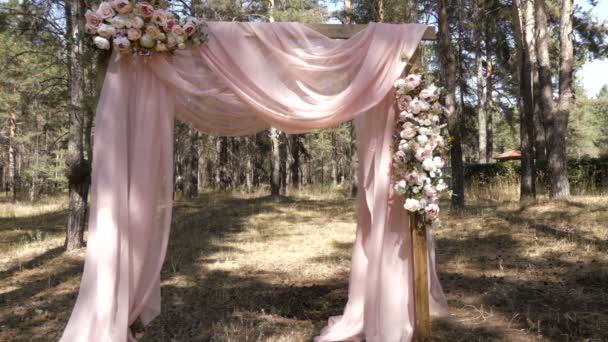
[(106, 31), (441, 186), (412, 204), (101, 43), (118, 22), (160, 47), (137, 22), (429, 94), (424, 106), (153, 31), (147, 41), (439, 163), (121, 44), (181, 46), (422, 139), (429, 165), (408, 133), (400, 83), (133, 34), (171, 41)]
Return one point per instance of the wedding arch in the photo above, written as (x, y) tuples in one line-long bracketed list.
[(248, 77)]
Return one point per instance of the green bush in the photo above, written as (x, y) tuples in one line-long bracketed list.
[(587, 174)]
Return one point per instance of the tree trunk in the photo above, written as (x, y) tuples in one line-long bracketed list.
[(348, 12), (221, 165), (296, 161), (354, 160), (560, 186), (448, 73), (275, 162), (540, 149), (554, 125), (248, 164), (77, 167), (378, 11), (489, 104), (191, 164), (526, 110), (12, 158), (334, 158), (481, 96)]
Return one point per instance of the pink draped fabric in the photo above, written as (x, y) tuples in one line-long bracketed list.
[(248, 77)]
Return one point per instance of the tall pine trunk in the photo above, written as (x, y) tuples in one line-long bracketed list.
[(334, 158), (448, 74), (275, 162), (77, 167), (554, 120), (526, 109), (481, 96), (221, 163), (190, 175), (560, 186), (354, 162), (248, 164), (12, 158), (489, 103), (540, 146)]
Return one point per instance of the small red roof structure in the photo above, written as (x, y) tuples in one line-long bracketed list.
[(509, 155)]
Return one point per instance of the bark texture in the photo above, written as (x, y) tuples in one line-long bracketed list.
[(448, 74), (526, 109), (77, 167)]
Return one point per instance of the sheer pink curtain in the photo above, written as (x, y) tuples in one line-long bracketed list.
[(248, 77)]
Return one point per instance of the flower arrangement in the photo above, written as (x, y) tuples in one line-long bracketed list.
[(140, 28), (418, 146)]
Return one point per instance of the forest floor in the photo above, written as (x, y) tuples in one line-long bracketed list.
[(251, 268)]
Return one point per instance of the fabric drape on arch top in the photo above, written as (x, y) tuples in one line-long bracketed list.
[(248, 77)]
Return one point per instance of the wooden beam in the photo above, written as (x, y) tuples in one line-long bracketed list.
[(422, 328), (346, 31)]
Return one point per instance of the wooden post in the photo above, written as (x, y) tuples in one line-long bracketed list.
[(422, 328)]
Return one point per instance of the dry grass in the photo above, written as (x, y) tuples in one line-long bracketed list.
[(252, 268)]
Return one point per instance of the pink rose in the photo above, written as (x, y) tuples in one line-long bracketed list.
[(413, 79), (412, 177), (403, 102), (431, 211), (145, 9), (90, 29), (93, 20), (105, 10), (178, 31), (159, 17), (190, 28), (122, 6), (169, 25)]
